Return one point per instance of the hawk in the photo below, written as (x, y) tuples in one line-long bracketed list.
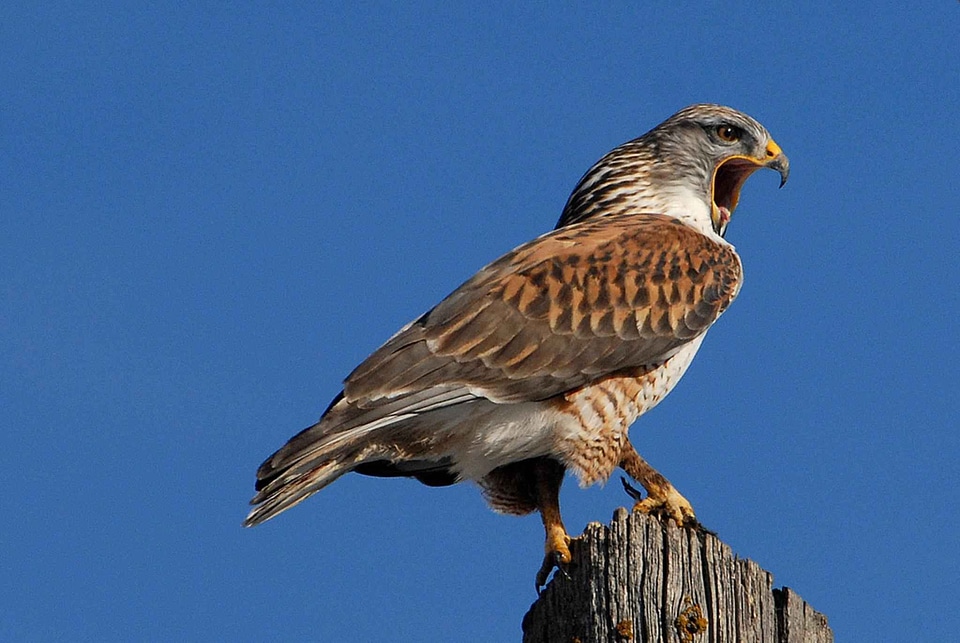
[(540, 362)]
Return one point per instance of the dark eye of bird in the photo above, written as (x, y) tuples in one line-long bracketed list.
[(728, 133)]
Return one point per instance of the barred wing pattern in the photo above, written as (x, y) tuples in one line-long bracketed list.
[(571, 306)]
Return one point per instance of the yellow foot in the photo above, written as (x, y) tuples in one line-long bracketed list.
[(557, 556), (666, 503)]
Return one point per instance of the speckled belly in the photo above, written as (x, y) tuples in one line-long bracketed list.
[(600, 414)]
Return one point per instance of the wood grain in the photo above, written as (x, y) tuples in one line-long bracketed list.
[(638, 580)]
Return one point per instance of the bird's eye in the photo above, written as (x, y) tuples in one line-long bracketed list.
[(728, 133)]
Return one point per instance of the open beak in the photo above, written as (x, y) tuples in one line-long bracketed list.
[(730, 175)]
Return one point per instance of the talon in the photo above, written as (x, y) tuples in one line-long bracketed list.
[(632, 491), (665, 508), (558, 558), (666, 504)]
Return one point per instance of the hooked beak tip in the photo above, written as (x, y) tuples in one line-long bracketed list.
[(777, 161), (782, 165)]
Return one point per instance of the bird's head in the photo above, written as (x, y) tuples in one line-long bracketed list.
[(727, 145), (692, 166)]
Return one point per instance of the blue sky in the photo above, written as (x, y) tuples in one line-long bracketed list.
[(210, 216)]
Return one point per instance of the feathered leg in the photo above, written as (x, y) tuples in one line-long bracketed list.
[(662, 498)]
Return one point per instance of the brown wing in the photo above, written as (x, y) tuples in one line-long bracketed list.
[(573, 305)]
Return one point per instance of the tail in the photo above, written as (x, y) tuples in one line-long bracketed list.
[(347, 439), (304, 465)]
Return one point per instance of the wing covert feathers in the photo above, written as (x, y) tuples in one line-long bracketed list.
[(575, 304)]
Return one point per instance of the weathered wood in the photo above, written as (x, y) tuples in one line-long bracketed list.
[(641, 580)]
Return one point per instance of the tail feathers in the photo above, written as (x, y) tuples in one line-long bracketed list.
[(307, 463), (315, 457), (283, 493), (395, 437), (291, 476)]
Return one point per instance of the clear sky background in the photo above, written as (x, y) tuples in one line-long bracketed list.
[(209, 216)]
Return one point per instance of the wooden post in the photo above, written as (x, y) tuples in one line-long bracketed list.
[(640, 580)]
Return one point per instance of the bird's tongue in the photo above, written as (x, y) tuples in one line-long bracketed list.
[(724, 214)]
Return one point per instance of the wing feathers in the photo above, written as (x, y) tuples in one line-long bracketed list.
[(582, 302), (608, 293)]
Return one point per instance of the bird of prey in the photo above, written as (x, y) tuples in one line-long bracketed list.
[(540, 362)]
